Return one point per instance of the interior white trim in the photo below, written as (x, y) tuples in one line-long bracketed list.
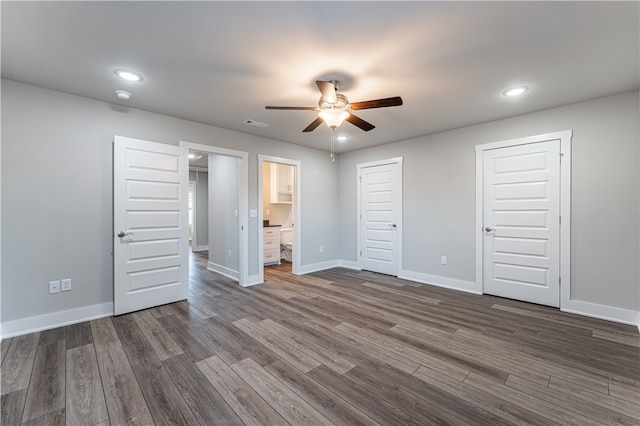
[(350, 264), (609, 313), (296, 268), (223, 270), (321, 266), (73, 316), (243, 232), (253, 280), (438, 281), (55, 319), (359, 167), (565, 205)]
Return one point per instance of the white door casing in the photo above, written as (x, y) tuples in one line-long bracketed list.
[(150, 207), (380, 216), (522, 222), (523, 248)]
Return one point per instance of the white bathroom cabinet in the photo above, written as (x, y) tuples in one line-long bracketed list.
[(282, 184), (271, 245)]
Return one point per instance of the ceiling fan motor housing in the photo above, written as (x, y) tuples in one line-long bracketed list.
[(340, 103)]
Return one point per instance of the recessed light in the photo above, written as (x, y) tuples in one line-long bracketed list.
[(193, 156), (128, 75), (515, 91), (342, 138), (124, 95)]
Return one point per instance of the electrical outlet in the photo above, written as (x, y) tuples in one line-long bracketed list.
[(321, 249), (66, 284), (229, 254), (443, 260), (54, 287)]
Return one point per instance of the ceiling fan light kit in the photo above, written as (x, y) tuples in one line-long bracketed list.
[(333, 117), (334, 108)]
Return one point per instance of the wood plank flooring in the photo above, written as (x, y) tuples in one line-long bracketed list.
[(337, 347)]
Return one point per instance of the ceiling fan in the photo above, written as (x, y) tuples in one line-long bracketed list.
[(334, 108)]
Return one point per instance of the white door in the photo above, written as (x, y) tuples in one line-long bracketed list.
[(150, 224), (522, 222), (380, 188)]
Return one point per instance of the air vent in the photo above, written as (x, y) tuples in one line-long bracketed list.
[(255, 123)]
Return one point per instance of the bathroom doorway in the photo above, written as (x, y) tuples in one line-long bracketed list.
[(280, 213)]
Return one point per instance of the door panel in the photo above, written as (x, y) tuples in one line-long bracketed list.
[(380, 189), (522, 222), (150, 206)]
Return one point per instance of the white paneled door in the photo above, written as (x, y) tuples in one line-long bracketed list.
[(150, 219), (522, 222), (380, 188)]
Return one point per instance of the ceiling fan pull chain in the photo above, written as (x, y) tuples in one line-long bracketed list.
[(333, 158)]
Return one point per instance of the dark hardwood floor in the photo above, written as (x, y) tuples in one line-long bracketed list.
[(336, 347)]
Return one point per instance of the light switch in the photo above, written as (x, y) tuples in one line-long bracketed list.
[(66, 284), (253, 213)]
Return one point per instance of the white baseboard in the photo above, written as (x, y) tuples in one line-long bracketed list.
[(72, 316), (55, 319), (609, 313), (253, 280), (223, 270), (315, 267), (349, 264), (199, 248), (436, 280)]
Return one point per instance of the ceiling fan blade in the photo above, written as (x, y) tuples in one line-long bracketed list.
[(328, 90), (377, 103), (311, 127), (359, 122), (291, 108)]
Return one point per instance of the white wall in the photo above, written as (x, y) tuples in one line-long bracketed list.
[(57, 196), (224, 184), (439, 203)]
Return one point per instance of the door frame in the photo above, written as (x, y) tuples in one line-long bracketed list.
[(297, 211), (565, 205), (399, 187), (243, 197)]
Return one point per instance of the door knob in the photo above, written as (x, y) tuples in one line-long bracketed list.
[(124, 234), (393, 225), (489, 229)]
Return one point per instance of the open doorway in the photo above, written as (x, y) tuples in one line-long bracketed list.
[(221, 219), (280, 213), (198, 201)]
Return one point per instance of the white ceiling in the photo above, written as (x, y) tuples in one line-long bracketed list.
[(220, 63)]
